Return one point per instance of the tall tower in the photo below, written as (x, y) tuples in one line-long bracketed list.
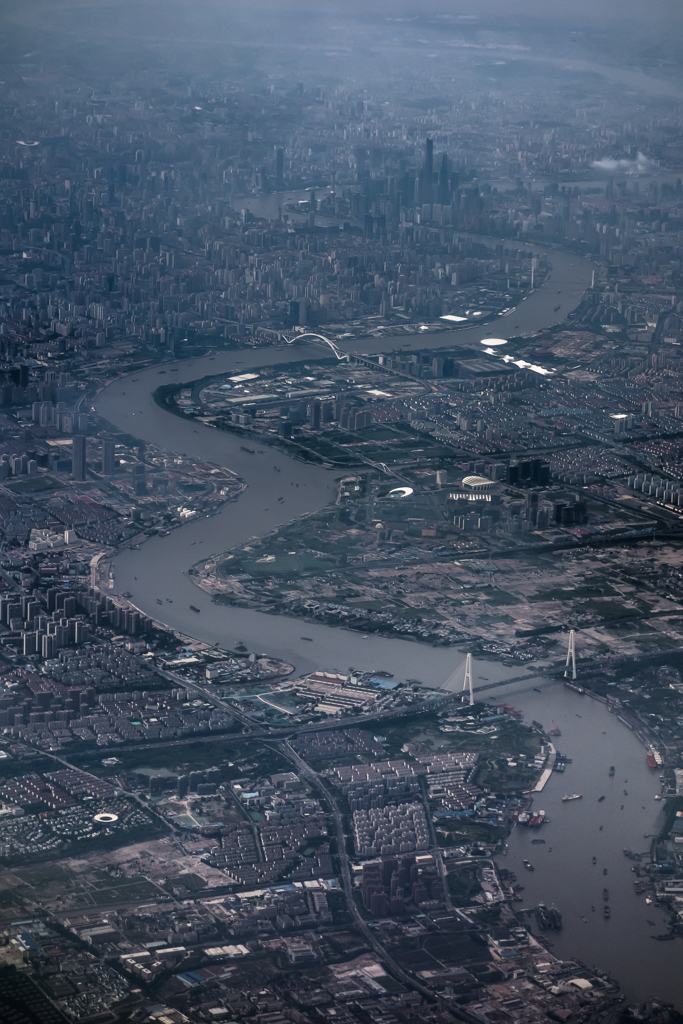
[(78, 457), (108, 456), (444, 182), (467, 681), (571, 655), (428, 171)]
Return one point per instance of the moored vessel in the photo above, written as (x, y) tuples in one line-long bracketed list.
[(548, 918), (574, 796), (654, 758)]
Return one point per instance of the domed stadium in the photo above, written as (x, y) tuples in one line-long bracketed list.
[(478, 484)]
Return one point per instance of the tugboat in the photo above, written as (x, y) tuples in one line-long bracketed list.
[(574, 796), (528, 865), (194, 609), (600, 799), (595, 860), (611, 771), (555, 731), (605, 894), (606, 911)]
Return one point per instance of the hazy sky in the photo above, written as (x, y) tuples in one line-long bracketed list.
[(621, 15), (610, 37)]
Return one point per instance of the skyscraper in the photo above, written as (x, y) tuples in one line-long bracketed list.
[(427, 187), (108, 456), (279, 167), (314, 413), (78, 457), (444, 182)]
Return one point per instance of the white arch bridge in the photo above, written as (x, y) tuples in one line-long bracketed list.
[(341, 356)]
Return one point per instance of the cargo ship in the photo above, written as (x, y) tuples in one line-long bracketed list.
[(555, 731), (605, 911), (654, 759), (243, 448), (548, 918), (605, 894), (574, 796), (536, 820)]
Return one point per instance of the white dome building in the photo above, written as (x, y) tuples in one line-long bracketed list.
[(477, 484)]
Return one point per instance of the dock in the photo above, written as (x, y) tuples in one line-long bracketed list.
[(547, 772)]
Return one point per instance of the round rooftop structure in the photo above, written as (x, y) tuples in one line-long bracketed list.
[(400, 492), (477, 483), (106, 818), (494, 342)]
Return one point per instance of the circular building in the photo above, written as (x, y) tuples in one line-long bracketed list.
[(400, 492), (106, 818), (493, 342)]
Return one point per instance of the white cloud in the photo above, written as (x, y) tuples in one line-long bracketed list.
[(637, 166)]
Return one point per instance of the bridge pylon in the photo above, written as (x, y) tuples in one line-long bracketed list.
[(571, 655), (467, 681)]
